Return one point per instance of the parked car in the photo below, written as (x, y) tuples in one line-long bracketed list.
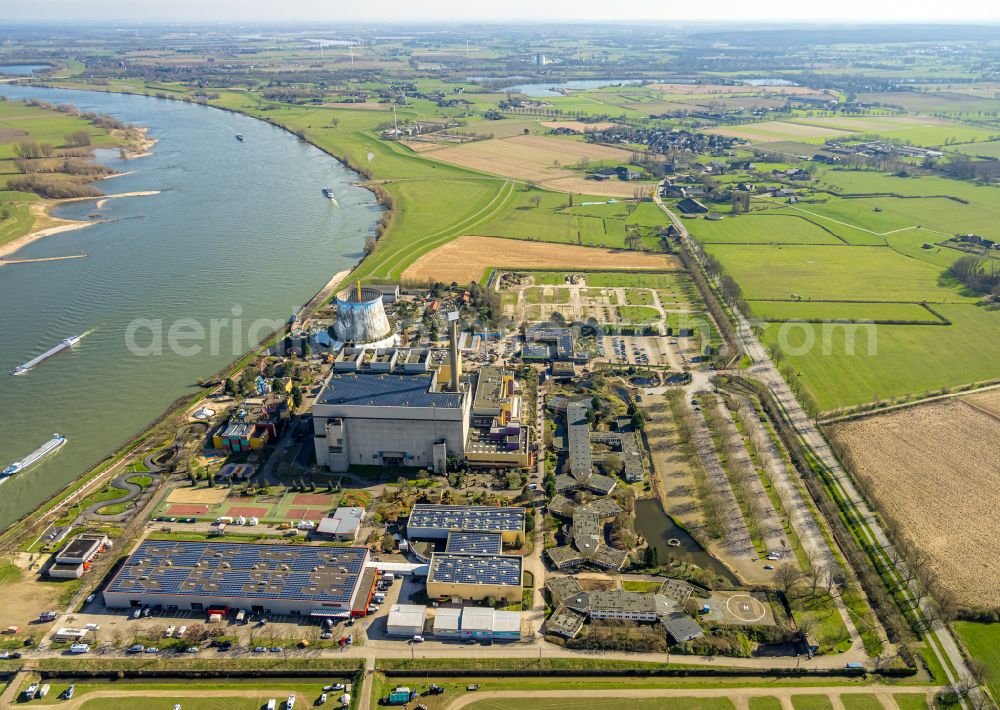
[(91, 597), (152, 649), (192, 649), (137, 648), (79, 648), (259, 649), (276, 649)]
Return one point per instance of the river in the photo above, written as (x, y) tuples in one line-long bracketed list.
[(238, 228)]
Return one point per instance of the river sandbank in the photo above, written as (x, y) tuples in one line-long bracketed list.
[(43, 210)]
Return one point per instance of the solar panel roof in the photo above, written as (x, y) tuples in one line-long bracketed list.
[(242, 570), (466, 517), (454, 568), (475, 543)]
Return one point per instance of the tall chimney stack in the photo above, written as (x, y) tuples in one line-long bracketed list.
[(455, 360)]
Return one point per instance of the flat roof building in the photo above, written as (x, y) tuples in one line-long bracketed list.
[(396, 417), (406, 620), (280, 579), (475, 543), (478, 577), (74, 559), (435, 522), (342, 525), (474, 622)]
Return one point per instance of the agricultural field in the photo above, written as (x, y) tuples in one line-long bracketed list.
[(761, 228), (777, 311), (841, 366), (592, 220), (466, 259), (542, 159), (983, 643), (832, 273), (917, 462), (766, 131)]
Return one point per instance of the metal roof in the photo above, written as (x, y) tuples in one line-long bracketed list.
[(242, 571), (386, 389)]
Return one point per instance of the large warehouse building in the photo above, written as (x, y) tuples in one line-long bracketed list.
[(279, 579)]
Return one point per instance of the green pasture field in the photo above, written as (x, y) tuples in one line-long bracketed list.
[(825, 273), (927, 135), (555, 221), (761, 229), (832, 310), (939, 216), (912, 243), (890, 361), (983, 644), (949, 102), (988, 149)]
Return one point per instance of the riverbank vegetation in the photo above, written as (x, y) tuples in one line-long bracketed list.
[(46, 153)]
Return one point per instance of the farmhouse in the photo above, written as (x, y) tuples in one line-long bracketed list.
[(689, 205)]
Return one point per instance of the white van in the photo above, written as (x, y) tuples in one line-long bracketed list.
[(79, 648)]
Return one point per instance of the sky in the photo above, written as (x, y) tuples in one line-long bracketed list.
[(332, 11)]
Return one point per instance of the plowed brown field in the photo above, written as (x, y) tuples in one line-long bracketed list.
[(466, 259), (935, 469)]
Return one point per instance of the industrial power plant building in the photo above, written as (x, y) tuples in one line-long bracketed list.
[(360, 316), (280, 579), (390, 408)]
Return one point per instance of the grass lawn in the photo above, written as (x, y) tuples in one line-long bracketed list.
[(860, 702), (9, 573), (828, 625), (637, 314), (911, 701), (811, 702), (639, 586), (983, 644), (889, 361), (635, 297), (765, 703)]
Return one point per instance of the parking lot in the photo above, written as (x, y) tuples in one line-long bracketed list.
[(116, 630)]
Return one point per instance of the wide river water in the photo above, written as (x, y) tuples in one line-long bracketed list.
[(237, 228)]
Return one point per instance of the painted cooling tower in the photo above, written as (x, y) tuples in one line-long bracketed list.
[(360, 316)]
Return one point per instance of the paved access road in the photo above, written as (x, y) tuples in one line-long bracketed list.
[(764, 369)]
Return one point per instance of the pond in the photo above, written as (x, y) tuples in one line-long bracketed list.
[(657, 527)]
